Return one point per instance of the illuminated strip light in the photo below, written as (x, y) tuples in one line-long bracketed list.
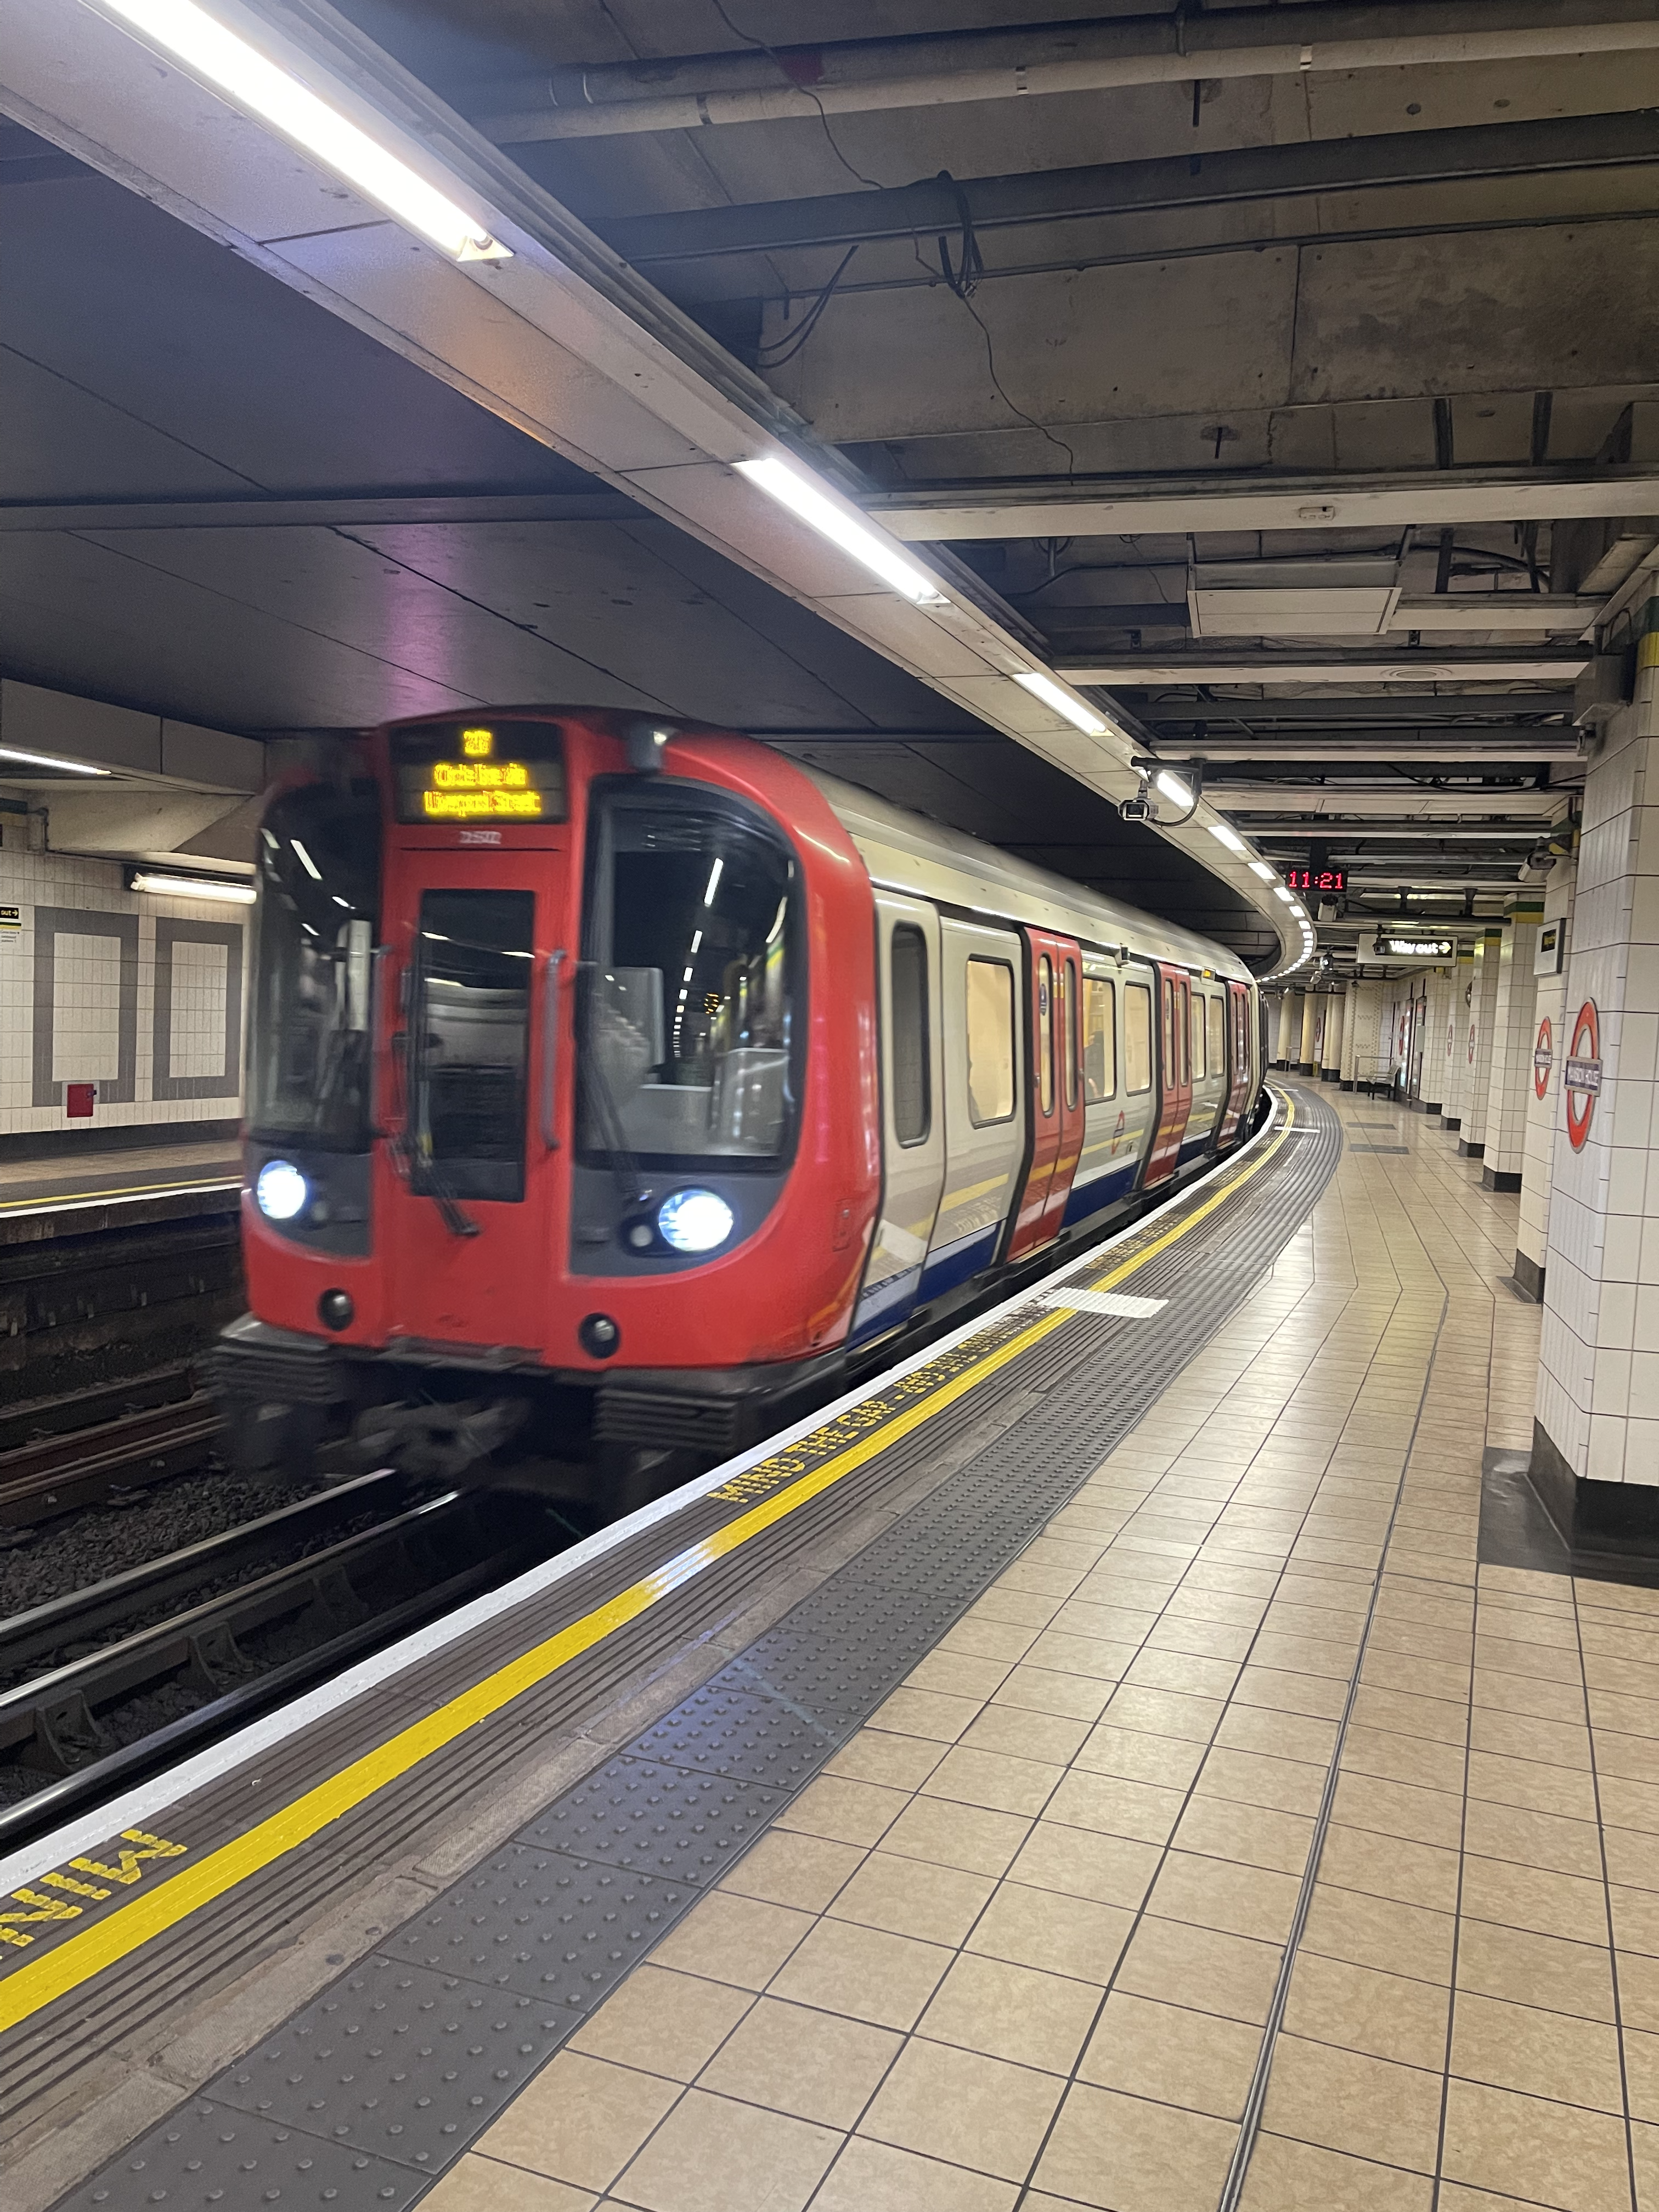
[(1177, 791), (1057, 696), (867, 547), (262, 88), (1261, 868), (192, 887), (49, 760), (1230, 838)]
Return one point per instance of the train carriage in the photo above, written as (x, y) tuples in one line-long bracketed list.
[(617, 1088)]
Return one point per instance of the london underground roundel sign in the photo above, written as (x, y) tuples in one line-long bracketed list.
[(1543, 1057), (1581, 1078)]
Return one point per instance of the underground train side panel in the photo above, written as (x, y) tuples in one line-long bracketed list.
[(648, 1068)]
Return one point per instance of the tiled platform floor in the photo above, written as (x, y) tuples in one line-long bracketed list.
[(1017, 1947)]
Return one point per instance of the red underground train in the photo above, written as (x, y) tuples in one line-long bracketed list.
[(617, 1090)]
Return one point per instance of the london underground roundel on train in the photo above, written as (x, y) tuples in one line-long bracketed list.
[(1580, 1077)]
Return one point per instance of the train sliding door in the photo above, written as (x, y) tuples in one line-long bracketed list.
[(1174, 1071), (911, 1113), (984, 1072), (1054, 1099), (1238, 1061)]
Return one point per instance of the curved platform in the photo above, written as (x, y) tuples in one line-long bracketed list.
[(954, 1794)]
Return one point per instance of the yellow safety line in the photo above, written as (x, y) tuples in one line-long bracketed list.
[(136, 1190), (28, 1988)]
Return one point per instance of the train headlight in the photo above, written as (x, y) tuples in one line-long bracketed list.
[(280, 1190), (695, 1220)]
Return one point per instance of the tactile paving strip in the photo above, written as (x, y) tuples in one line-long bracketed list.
[(408, 2057)]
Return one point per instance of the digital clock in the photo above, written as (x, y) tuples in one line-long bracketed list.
[(1317, 879)]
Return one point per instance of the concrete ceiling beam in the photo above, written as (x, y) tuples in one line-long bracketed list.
[(1487, 152), (868, 75), (1430, 499)]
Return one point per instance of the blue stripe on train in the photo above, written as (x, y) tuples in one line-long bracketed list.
[(885, 1305), (1087, 1199)]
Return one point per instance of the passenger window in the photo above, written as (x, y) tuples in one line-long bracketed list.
[(1218, 1019), (907, 967), (990, 1041), (1068, 1016), (1099, 1039), (1137, 1038), (1197, 1024), (1045, 1036)]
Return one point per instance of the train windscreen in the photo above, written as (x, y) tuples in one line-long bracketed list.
[(469, 1041), (308, 1037), (688, 1025)]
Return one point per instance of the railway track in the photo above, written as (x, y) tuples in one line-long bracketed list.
[(61, 1473), (126, 1683)]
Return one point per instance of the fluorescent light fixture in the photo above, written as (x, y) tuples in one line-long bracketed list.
[(1223, 835), (49, 760), (193, 887), (1057, 696), (305, 861), (867, 547), (1261, 868), (222, 59), (1174, 789), (1279, 891)]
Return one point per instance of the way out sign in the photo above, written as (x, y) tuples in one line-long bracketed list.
[(1581, 1078)]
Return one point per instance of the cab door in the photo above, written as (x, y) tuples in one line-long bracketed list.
[(476, 1019), (1175, 1073), (1054, 1098)]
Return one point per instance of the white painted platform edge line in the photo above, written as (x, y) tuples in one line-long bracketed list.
[(140, 1805), (24, 1209)]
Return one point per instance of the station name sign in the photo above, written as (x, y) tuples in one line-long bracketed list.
[(468, 775)]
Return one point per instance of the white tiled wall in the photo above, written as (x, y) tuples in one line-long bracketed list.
[(1513, 1029), (1598, 1387), (197, 1013), (1548, 1001), (1436, 1060), (87, 981), (86, 1038), (1483, 1010), (1459, 1015)]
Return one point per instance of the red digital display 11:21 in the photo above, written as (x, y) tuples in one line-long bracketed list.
[(1316, 880)]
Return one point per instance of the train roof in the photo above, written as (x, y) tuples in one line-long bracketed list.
[(906, 852)]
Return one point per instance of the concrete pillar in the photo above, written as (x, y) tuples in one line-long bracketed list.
[(1483, 1008), (1544, 1093), (1290, 1030), (1330, 1057), (1307, 1057), (1511, 1050), (1595, 1449), (1460, 1016)]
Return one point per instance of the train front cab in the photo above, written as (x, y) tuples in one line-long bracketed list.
[(509, 1086)]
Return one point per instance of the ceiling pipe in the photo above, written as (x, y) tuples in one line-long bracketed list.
[(866, 75)]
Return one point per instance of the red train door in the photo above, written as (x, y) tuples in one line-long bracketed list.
[(1055, 1090), (1175, 1073), (1238, 1060), (475, 1140)]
